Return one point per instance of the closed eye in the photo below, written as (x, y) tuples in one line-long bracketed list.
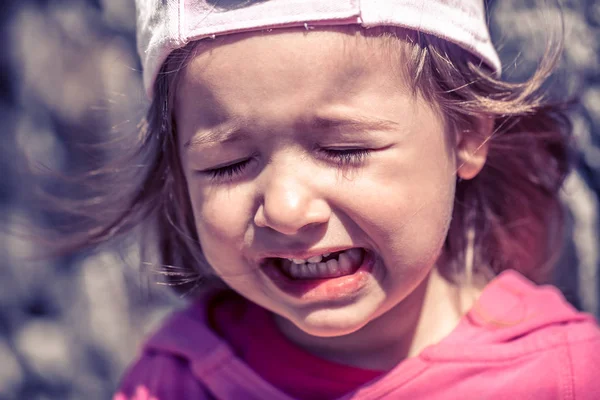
[(227, 172), (342, 157), (347, 157)]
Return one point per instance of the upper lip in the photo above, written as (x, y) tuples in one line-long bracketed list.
[(302, 255)]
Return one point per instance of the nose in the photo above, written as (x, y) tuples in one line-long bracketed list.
[(289, 206)]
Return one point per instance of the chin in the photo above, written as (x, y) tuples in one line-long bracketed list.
[(333, 322)]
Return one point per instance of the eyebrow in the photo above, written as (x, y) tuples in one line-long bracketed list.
[(224, 133), (355, 122), (235, 132)]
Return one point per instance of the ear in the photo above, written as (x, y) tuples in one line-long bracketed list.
[(472, 149)]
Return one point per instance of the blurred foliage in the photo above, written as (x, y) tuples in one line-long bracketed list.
[(69, 78)]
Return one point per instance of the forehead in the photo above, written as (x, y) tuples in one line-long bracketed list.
[(294, 66)]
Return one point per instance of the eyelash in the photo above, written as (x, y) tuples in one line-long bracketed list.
[(228, 171), (344, 158), (347, 157)]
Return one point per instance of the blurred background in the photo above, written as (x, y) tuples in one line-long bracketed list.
[(69, 76)]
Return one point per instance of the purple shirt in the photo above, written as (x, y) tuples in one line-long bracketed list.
[(519, 341)]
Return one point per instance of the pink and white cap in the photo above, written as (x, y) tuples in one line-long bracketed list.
[(166, 25)]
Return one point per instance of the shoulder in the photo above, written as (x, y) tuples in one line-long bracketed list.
[(583, 358), (170, 359), (158, 375), (546, 333)]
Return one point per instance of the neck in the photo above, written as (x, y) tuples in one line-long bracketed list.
[(424, 318)]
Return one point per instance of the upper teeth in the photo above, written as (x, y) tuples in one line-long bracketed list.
[(316, 268), (312, 260)]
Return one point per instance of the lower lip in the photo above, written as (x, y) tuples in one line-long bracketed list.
[(322, 289)]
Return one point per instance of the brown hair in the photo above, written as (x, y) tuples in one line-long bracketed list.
[(506, 217)]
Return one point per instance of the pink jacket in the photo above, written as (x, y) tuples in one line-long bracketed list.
[(520, 341)]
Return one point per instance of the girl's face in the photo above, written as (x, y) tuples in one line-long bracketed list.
[(297, 144)]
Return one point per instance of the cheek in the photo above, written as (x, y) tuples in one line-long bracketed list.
[(429, 177), (222, 217), (409, 220), (405, 203), (424, 229)]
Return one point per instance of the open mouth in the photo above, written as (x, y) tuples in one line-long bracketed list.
[(326, 266)]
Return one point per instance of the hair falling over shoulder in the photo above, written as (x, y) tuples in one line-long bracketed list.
[(508, 217)]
